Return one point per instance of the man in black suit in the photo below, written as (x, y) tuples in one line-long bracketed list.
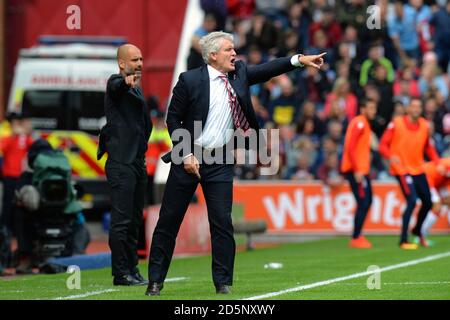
[(217, 96), (124, 138)]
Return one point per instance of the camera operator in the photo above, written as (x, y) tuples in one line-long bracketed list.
[(29, 213)]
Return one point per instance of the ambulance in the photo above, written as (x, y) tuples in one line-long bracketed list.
[(60, 85)]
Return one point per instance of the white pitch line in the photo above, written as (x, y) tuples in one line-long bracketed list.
[(352, 276), (176, 279), (87, 294), (403, 283), (94, 293)]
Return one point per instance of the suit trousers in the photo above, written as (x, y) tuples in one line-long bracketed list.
[(217, 184), (127, 183)]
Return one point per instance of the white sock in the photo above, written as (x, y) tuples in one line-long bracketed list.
[(430, 220)]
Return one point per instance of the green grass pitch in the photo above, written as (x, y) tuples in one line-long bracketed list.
[(303, 264)]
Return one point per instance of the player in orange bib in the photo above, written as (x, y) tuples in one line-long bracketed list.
[(404, 143), (355, 166), (438, 176)]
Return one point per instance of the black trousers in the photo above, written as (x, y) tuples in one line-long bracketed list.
[(363, 196), (217, 185), (127, 183), (7, 215), (414, 187)]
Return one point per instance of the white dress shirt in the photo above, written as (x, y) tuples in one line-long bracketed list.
[(219, 127)]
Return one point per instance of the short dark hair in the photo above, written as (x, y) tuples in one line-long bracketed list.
[(365, 101), (13, 116)]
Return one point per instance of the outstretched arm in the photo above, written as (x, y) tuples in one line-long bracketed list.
[(266, 71)]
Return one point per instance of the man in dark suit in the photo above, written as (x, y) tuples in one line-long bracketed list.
[(217, 96), (124, 138)]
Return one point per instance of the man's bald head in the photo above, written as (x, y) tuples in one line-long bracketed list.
[(123, 50), (129, 58)]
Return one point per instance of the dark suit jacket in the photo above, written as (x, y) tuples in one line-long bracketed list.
[(128, 125), (190, 99)]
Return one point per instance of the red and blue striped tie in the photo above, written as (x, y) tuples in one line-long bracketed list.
[(239, 119)]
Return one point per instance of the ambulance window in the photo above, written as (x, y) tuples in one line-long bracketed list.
[(89, 111), (42, 99), (44, 108)]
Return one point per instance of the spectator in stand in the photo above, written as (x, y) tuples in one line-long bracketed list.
[(376, 56), (371, 93), (239, 32), (348, 50), (259, 92), (302, 144), (423, 17), (299, 21), (384, 87), (289, 45), (301, 157), (399, 108), (328, 172), (342, 95), (404, 95), (327, 146), (319, 44), (308, 112), (284, 109), (440, 21), (433, 83), (278, 157), (406, 84), (433, 113), (316, 8), (330, 27), (302, 171), (379, 35), (351, 39), (195, 59), (336, 133), (345, 70), (313, 86), (275, 10), (286, 149), (337, 114), (352, 12), (439, 141), (218, 8), (402, 29), (263, 34), (240, 8), (305, 127)]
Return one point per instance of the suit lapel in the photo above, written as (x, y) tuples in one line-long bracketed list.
[(204, 94)]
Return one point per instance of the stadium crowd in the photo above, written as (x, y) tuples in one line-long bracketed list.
[(390, 53)]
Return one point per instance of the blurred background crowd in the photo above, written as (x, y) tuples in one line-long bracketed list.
[(400, 52)]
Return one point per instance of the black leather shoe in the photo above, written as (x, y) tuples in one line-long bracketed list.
[(140, 278), (126, 280), (154, 289), (223, 289)]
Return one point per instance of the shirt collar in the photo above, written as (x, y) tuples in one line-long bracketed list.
[(214, 73)]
